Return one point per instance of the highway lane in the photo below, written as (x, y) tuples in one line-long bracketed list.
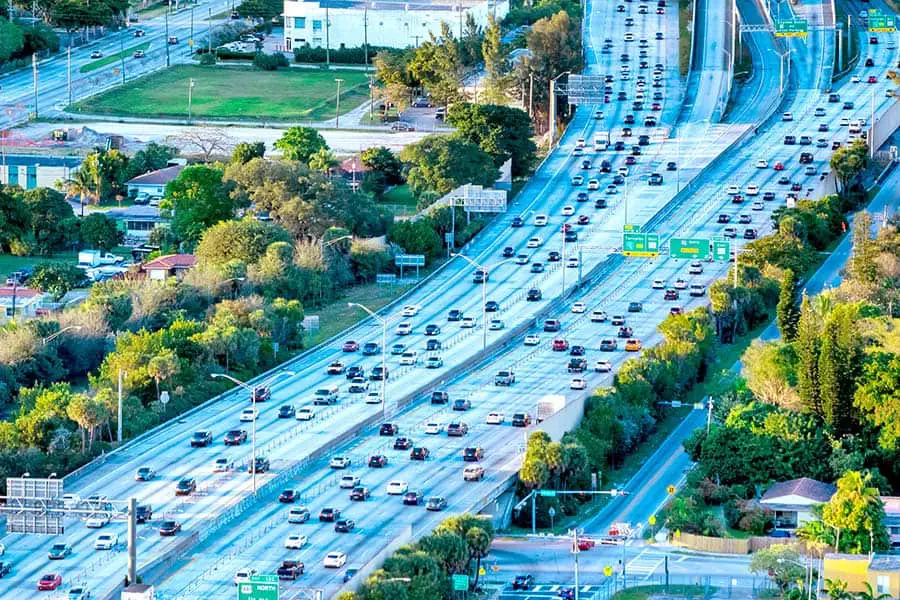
[(750, 100)]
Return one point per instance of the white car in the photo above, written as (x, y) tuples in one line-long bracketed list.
[(373, 398), (579, 143), (305, 414), (244, 575), (295, 541), (96, 522), (844, 122), (659, 284), (532, 339), (752, 190), (409, 358), (249, 415), (577, 180), (404, 328), (855, 79), (695, 268), (496, 325), (733, 190), (339, 462), (70, 500), (410, 310), (593, 185), (396, 488), (680, 284), (603, 366), (534, 242), (787, 116), (611, 189), (568, 211), (495, 418), (348, 482), (298, 514), (434, 428), (467, 322), (579, 307), (577, 152), (757, 206), (106, 541), (578, 384), (697, 290), (598, 316), (220, 465), (572, 263), (623, 171), (762, 164), (629, 37), (334, 560), (540, 220)]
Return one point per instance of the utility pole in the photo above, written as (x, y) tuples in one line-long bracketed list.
[(132, 540), (69, 72), (209, 30), (737, 251), (122, 58), (34, 73), (327, 38), (460, 21), (575, 552), (168, 6), (840, 45), (191, 37), (119, 426), (366, 34), (190, 96), (551, 121), (337, 108), (872, 129), (531, 95), (709, 407)]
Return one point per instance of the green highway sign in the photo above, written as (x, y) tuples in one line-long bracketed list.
[(689, 248), (791, 27), (460, 583), (721, 250), (260, 587), (632, 228), (640, 244), (881, 22)]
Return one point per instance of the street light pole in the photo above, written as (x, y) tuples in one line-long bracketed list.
[(337, 109), (484, 280), (383, 322), (253, 389), (52, 337)]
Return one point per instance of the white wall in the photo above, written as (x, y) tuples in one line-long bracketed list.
[(389, 23)]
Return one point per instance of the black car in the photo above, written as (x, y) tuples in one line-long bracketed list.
[(457, 429), (403, 443), (533, 295), (440, 397), (419, 453), (571, 236), (356, 371), (619, 146), (413, 498), (389, 429), (201, 439), (635, 307), (359, 494), (521, 420), (577, 350), (523, 582), (344, 526), (768, 196), (432, 329), (848, 105), (509, 252), (169, 528), (455, 315), (835, 98), (871, 63), (553, 256), (186, 487), (643, 140), (581, 197), (436, 503), (618, 179), (370, 348), (749, 234), (432, 345), (605, 165), (473, 454), (261, 465), (287, 496), (377, 461), (262, 393), (286, 412), (491, 306), (537, 267), (378, 373), (724, 219), (143, 513), (461, 404), (789, 140), (235, 437), (517, 222), (328, 515), (599, 203), (625, 332), (629, 120)]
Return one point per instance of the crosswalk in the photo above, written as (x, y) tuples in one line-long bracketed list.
[(546, 592), (644, 564)]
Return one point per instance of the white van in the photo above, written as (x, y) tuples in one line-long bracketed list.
[(326, 395), (855, 127)]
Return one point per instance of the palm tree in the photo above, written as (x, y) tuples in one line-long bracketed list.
[(81, 184), (479, 542), (837, 590), (871, 594)]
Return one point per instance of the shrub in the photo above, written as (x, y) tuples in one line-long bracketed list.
[(207, 59), (351, 56), (269, 62)]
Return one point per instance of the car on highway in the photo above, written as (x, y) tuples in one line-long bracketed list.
[(299, 514), (221, 465), (670, 295), (49, 582), (402, 443), (235, 437), (295, 541), (201, 438), (603, 366), (633, 345), (144, 474), (350, 346), (473, 454), (534, 242), (635, 307), (360, 494), (434, 362), (757, 206), (286, 411), (371, 348), (695, 268), (516, 223), (697, 290), (533, 295), (576, 181), (397, 487), (410, 310), (404, 328), (473, 473), (348, 482), (495, 418), (288, 496), (106, 541), (745, 219), (578, 383), (97, 521), (248, 415), (457, 429), (329, 515), (186, 486), (617, 320), (523, 582), (169, 528), (559, 345), (434, 428), (598, 316), (436, 503), (344, 525), (625, 332), (335, 368), (752, 189), (521, 420), (339, 462), (334, 560), (608, 345), (389, 429), (419, 453), (723, 218), (59, 551), (378, 461), (413, 498), (749, 234), (305, 413), (462, 404)]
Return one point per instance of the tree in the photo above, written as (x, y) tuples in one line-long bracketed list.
[(52, 219), (15, 221), (81, 184), (503, 132), (195, 200), (205, 139), (862, 265), (88, 414), (99, 231), (871, 594), (438, 65), (808, 344), (245, 240), (112, 300), (787, 311), (479, 542), (151, 158), (856, 512), (781, 561), (244, 152), (449, 549), (769, 369), (837, 590), (161, 367), (12, 40), (497, 80), (300, 143), (260, 9), (56, 278), (323, 160), (877, 398), (847, 162), (382, 160), (416, 237), (440, 163)]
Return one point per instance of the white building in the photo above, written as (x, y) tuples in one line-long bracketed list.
[(29, 172), (391, 23), (793, 501)]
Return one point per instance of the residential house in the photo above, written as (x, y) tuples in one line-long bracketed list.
[(136, 222), (353, 170), (20, 302), (881, 571), (892, 519), (153, 184), (793, 501), (171, 265)]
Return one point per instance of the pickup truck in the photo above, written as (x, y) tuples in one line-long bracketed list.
[(505, 377), (290, 569)]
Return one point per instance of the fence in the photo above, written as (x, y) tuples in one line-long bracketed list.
[(718, 545), (690, 586)]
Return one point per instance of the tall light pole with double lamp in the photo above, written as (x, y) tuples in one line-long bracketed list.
[(384, 324), (486, 272), (253, 389)]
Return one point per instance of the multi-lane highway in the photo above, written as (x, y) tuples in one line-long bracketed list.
[(255, 538)]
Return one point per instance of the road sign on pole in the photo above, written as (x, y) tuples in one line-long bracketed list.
[(721, 250), (689, 248), (460, 583), (881, 22), (640, 244), (791, 27), (260, 587)]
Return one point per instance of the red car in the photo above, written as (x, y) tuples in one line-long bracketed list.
[(49, 582), (872, 79), (656, 106), (779, 166), (560, 345), (586, 544), (350, 346), (676, 310)]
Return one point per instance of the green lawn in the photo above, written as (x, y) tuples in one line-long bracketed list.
[(113, 58), (685, 32), (233, 92), (10, 263)]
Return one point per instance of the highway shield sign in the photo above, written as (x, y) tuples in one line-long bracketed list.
[(693, 248), (721, 250)]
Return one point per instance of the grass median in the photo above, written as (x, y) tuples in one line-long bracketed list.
[(685, 34), (112, 58), (233, 93)]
